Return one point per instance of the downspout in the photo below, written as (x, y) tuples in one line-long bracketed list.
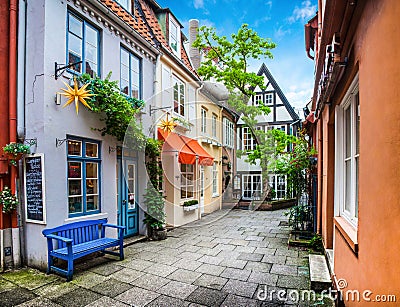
[(21, 69), (21, 82), (197, 168), (13, 108), (220, 158)]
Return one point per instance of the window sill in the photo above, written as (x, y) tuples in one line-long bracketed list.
[(86, 217), (348, 232), (215, 195)]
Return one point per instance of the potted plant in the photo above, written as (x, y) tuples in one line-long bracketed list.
[(155, 215), (8, 200), (15, 151), (190, 205)]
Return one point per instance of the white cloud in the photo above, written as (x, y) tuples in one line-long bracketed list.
[(306, 11), (269, 4), (281, 32), (198, 4)]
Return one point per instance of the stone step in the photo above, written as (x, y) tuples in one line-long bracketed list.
[(319, 273)]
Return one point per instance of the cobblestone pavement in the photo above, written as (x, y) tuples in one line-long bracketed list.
[(226, 259)]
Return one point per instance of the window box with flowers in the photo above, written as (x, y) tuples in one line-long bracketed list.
[(8, 200), (190, 205), (15, 151)]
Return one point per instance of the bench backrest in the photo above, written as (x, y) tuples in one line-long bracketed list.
[(79, 232)]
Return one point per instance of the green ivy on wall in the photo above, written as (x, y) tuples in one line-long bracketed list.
[(119, 111)]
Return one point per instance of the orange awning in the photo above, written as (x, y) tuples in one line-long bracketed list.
[(187, 148)]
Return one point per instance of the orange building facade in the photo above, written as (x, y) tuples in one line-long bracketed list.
[(354, 125)]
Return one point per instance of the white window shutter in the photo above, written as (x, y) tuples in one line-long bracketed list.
[(191, 103), (166, 87)]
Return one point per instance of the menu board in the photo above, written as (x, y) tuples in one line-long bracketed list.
[(34, 188)]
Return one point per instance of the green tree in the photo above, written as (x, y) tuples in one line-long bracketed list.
[(227, 61)]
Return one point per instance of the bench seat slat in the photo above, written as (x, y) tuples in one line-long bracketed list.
[(77, 249)]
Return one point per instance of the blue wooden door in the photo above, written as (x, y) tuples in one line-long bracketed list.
[(128, 210)]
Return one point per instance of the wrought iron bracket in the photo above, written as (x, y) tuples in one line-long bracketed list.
[(152, 109), (60, 68), (59, 142)]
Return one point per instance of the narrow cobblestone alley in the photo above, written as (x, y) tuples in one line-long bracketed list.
[(225, 259)]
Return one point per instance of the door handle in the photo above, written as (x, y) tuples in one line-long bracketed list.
[(124, 201)]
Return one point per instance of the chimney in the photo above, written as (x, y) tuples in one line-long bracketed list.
[(194, 53)]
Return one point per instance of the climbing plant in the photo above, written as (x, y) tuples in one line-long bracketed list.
[(118, 111), (155, 215), (293, 159)]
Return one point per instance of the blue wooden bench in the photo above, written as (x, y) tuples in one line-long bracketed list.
[(75, 240)]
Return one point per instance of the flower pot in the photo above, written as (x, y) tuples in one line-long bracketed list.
[(15, 157), (158, 234)]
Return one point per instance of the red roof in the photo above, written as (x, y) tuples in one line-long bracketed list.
[(149, 28)]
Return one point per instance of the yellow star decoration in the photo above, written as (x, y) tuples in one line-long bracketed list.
[(76, 95), (167, 125)]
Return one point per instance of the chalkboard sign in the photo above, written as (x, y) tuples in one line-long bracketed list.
[(34, 189)]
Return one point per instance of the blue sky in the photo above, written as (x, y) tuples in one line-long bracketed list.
[(281, 20)]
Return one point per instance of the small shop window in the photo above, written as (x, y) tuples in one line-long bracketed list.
[(83, 177), (187, 180)]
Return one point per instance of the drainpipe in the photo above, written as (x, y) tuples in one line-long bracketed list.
[(17, 233), (21, 69), (221, 138), (197, 168), (12, 92)]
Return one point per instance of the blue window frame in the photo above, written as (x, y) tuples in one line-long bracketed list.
[(83, 166), (131, 74), (83, 44)]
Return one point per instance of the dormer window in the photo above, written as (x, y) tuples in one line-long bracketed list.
[(126, 4), (174, 35)]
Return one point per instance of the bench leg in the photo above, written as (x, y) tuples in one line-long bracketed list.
[(70, 271), (121, 249), (49, 264)]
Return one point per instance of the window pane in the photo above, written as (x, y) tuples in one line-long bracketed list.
[(347, 200), (135, 92), (74, 148), (75, 25), (75, 204), (91, 186), (357, 111), (176, 96), (124, 57), (125, 87), (74, 187), (91, 36), (348, 132), (91, 150), (91, 170), (91, 53), (135, 64), (356, 191), (74, 170), (125, 72), (92, 203), (75, 44)]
